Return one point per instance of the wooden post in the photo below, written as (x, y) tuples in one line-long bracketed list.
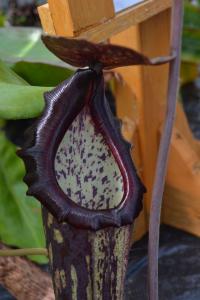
[(46, 20), (149, 85), (102, 28), (71, 16), (128, 100), (154, 84)]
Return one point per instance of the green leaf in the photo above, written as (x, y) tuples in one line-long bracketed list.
[(20, 216), (191, 16), (189, 72), (18, 99), (191, 46), (8, 76), (38, 73), (191, 34), (21, 102), (24, 44), (2, 19)]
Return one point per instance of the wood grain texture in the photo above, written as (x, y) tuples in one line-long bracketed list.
[(127, 111), (90, 265), (106, 24), (154, 83), (149, 86), (123, 20), (184, 166), (181, 197), (60, 13), (181, 209), (128, 93), (46, 19), (71, 16), (182, 125)]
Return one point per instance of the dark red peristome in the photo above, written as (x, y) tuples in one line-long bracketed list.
[(63, 104), (82, 53)]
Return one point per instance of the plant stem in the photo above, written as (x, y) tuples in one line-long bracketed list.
[(24, 252), (87, 264), (158, 188)]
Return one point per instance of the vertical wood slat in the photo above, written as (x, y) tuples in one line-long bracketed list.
[(181, 197), (155, 40), (71, 16), (128, 94), (46, 19), (150, 87)]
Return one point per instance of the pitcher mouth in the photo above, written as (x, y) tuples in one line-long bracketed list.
[(63, 104)]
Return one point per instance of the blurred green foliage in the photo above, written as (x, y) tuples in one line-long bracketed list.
[(191, 33), (27, 70), (2, 19), (191, 42), (19, 100), (20, 216), (24, 44), (41, 74)]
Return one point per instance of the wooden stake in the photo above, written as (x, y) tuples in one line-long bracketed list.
[(161, 168)]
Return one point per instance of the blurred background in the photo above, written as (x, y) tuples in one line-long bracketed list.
[(24, 65), (21, 13)]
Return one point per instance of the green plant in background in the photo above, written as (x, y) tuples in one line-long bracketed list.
[(27, 69), (191, 41), (2, 19), (20, 218)]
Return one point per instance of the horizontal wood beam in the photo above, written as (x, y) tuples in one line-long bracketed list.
[(97, 28), (125, 19), (71, 16)]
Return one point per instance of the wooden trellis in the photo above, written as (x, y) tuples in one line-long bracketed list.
[(141, 99)]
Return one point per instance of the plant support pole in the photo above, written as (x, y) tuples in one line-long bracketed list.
[(156, 203)]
